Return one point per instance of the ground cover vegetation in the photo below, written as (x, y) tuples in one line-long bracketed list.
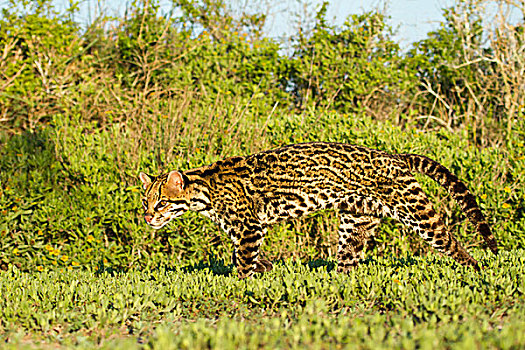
[(84, 109)]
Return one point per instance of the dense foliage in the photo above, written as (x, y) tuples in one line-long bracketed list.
[(83, 110)]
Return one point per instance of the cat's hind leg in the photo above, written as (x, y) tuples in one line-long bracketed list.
[(415, 210), (354, 231)]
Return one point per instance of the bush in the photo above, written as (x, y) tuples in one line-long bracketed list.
[(160, 92), (354, 67), (466, 71), (37, 48)]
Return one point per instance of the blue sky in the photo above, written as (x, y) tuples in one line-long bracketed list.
[(412, 18)]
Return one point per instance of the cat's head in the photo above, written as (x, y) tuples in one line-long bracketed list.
[(165, 197)]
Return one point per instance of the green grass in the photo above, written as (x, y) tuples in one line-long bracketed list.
[(389, 302)]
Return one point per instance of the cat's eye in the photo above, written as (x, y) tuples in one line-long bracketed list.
[(161, 204), (145, 204)]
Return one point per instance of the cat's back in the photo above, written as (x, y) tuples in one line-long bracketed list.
[(316, 163), (323, 161)]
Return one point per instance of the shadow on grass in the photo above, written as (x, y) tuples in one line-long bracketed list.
[(216, 266), (219, 267), (28, 172)]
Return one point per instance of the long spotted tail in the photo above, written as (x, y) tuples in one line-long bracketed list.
[(457, 189)]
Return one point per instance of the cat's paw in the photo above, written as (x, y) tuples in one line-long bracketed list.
[(263, 265)]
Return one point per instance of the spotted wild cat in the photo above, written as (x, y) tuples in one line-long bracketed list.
[(244, 195)]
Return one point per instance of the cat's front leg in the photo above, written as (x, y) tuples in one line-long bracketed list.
[(247, 236)]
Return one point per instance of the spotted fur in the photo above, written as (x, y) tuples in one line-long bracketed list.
[(244, 195)]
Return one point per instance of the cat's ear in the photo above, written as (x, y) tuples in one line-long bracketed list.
[(175, 181), (146, 179)]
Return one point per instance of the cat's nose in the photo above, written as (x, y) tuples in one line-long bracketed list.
[(148, 217)]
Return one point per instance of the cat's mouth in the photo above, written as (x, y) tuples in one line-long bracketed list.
[(156, 225), (162, 220)]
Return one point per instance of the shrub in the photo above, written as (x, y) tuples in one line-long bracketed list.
[(466, 70), (37, 48), (356, 66)]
